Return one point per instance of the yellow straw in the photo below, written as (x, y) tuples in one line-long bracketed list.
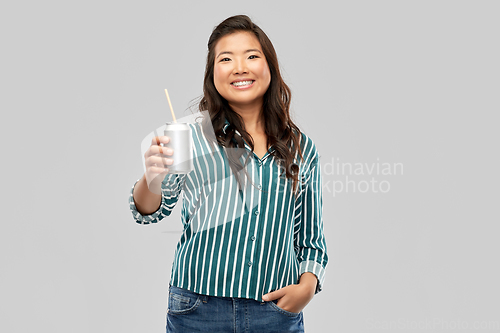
[(170, 104)]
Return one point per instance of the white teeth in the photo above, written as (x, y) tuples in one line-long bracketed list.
[(242, 83)]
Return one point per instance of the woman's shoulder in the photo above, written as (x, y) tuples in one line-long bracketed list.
[(197, 129), (307, 146)]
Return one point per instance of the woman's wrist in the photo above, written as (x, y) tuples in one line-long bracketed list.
[(310, 280)]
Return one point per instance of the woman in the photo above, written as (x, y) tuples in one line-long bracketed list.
[(252, 254)]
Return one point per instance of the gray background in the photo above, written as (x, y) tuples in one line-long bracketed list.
[(411, 82)]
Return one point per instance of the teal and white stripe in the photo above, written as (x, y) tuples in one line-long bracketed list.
[(244, 244)]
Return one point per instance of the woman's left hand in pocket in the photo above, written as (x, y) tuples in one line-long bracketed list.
[(292, 298)]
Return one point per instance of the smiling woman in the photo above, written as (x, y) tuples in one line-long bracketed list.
[(258, 114), (252, 254), (242, 77)]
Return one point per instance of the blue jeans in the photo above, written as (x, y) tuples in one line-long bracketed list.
[(191, 312)]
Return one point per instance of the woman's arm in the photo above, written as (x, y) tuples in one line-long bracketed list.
[(310, 280), (154, 207), (146, 202)]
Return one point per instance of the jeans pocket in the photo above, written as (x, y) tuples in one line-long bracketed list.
[(274, 305), (182, 301)]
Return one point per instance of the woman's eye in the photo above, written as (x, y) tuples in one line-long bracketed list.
[(228, 59)]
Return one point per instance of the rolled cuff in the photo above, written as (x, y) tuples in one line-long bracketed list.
[(171, 188), (315, 268)]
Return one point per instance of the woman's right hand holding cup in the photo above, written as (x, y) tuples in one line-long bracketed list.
[(157, 159)]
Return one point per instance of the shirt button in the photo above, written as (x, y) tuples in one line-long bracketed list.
[(259, 186), (249, 263), (253, 238), (256, 212)]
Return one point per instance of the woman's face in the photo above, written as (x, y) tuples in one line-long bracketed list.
[(238, 57)]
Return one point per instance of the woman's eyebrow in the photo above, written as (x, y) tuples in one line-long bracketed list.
[(249, 50)]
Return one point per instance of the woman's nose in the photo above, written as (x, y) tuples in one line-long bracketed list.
[(240, 67)]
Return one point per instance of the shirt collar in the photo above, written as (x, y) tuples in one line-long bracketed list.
[(226, 124)]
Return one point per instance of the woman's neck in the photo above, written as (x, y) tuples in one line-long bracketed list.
[(252, 117)]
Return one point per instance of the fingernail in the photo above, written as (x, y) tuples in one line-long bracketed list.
[(265, 297)]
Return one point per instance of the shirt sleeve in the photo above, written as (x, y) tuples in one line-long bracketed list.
[(310, 242), (171, 188)]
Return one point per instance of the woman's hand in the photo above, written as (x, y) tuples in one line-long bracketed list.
[(156, 162), (295, 297)]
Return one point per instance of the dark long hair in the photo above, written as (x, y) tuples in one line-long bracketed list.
[(281, 132)]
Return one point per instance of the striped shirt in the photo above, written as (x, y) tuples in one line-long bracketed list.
[(244, 243)]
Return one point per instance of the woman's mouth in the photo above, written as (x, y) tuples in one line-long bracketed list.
[(242, 84)]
